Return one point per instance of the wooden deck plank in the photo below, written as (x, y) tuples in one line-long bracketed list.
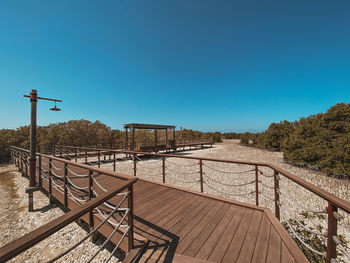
[(179, 226), (260, 251), (286, 257), (183, 222), (234, 248), (274, 249), (248, 245), (164, 208), (214, 238), (208, 225), (286, 238), (224, 242), (144, 220), (159, 204), (194, 232), (173, 225), (153, 232), (191, 219)]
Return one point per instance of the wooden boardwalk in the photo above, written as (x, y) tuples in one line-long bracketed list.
[(178, 222)]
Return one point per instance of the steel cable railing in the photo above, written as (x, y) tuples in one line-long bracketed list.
[(228, 194), (228, 172), (76, 186), (94, 231), (302, 241), (78, 200), (177, 164), (55, 167), (279, 194), (59, 181), (182, 181), (56, 175), (186, 173), (232, 185), (266, 186), (78, 175), (287, 195)]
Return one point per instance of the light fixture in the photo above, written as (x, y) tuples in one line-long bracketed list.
[(55, 108)]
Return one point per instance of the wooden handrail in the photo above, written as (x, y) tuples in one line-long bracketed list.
[(334, 202), (80, 165), (25, 242), (340, 203), (170, 155)]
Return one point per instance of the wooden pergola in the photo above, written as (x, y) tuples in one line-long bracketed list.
[(155, 127)]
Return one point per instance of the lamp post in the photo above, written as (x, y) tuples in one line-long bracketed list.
[(32, 158)]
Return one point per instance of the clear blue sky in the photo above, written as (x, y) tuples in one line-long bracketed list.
[(206, 65)]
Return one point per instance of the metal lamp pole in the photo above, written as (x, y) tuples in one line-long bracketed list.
[(32, 158)]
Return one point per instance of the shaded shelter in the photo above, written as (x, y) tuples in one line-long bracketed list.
[(168, 143)]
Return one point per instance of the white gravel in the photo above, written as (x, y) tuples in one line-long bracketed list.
[(219, 179), (17, 221)]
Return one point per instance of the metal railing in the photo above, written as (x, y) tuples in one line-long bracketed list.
[(84, 195), (267, 184)]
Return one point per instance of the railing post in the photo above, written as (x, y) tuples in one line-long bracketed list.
[(50, 181), (54, 151), (67, 151), (131, 218), (201, 173), (332, 231), (65, 185), (86, 155), (39, 172), (277, 195), (20, 166), (134, 157), (256, 185), (99, 158), (163, 166), (26, 166), (91, 212), (114, 162), (91, 195)]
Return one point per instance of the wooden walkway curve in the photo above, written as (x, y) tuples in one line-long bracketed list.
[(181, 223)]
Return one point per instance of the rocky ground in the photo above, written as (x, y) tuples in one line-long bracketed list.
[(237, 181), (17, 221)]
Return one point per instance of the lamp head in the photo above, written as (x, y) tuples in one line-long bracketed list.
[(55, 108)]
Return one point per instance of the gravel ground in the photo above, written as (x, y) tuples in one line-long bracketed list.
[(17, 221), (228, 180)]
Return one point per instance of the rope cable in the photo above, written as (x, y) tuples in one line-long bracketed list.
[(180, 164), (228, 193), (301, 241), (228, 172), (228, 184)]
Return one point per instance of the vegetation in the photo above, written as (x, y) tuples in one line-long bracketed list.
[(84, 133), (316, 242), (320, 141)]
